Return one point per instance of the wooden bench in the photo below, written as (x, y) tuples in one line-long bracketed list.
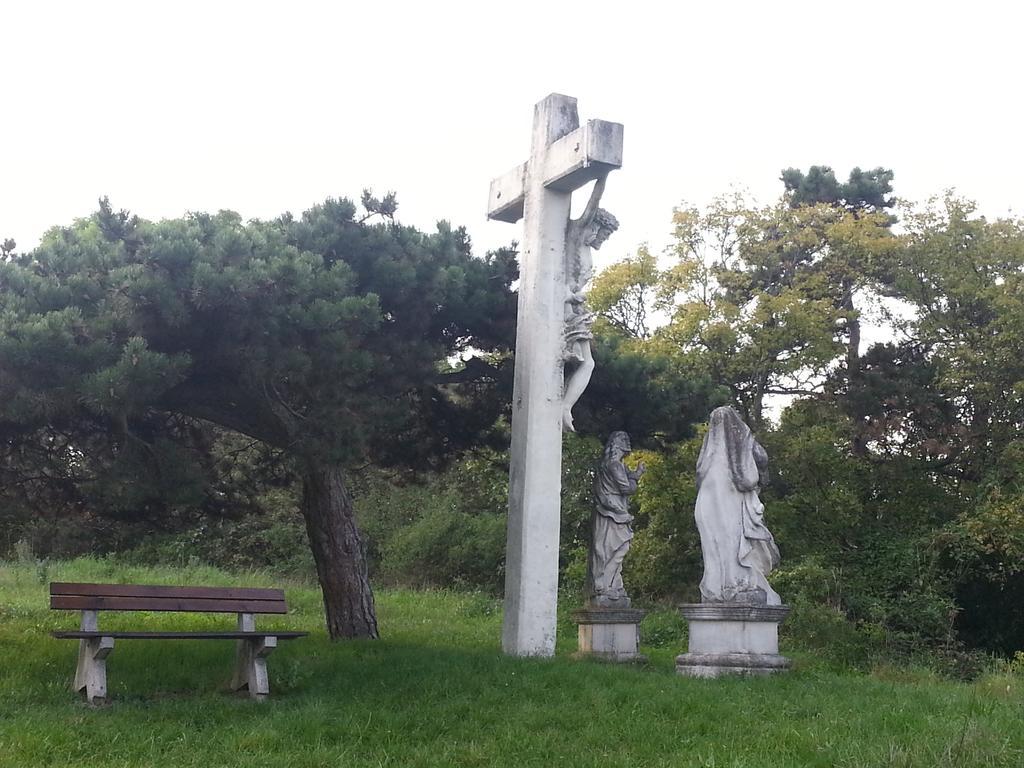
[(95, 645)]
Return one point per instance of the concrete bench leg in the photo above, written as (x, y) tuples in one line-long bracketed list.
[(91, 672), (251, 660)]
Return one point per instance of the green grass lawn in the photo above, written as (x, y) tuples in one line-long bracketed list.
[(436, 691)]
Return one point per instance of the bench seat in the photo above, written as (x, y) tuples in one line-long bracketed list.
[(78, 634), (252, 646)]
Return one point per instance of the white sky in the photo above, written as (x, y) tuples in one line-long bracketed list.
[(263, 107)]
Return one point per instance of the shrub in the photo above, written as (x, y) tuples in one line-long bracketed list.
[(274, 539), (826, 631), (664, 560), (448, 547), (663, 628)]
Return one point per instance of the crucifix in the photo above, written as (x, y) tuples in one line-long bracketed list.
[(552, 329)]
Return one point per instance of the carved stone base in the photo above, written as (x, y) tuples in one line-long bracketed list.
[(610, 634), (729, 639)]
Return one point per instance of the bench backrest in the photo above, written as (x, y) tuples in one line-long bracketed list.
[(139, 597)]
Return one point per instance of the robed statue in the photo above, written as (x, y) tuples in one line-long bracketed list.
[(739, 550), (610, 527)]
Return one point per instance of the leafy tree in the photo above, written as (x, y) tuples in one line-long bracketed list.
[(762, 297), (643, 387), (742, 309), (880, 462), (853, 262), (963, 277), (625, 293), (938, 413), (323, 336)]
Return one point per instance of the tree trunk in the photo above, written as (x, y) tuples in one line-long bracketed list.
[(858, 443), (338, 553), (755, 409), (853, 329)]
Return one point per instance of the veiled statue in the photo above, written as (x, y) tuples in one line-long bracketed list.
[(739, 550), (610, 527)]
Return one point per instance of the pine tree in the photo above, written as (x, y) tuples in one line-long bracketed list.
[(325, 336)]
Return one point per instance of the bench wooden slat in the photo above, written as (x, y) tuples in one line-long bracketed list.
[(193, 604), (85, 635), (152, 590)]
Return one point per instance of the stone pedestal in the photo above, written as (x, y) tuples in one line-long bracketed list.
[(729, 639), (610, 634)]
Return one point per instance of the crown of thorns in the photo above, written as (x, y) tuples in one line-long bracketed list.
[(604, 220)]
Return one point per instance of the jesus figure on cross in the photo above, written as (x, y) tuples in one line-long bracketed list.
[(590, 230)]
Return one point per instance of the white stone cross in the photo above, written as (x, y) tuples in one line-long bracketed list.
[(564, 156)]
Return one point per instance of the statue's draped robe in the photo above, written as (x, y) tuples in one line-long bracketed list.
[(579, 320), (610, 529), (739, 550)]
